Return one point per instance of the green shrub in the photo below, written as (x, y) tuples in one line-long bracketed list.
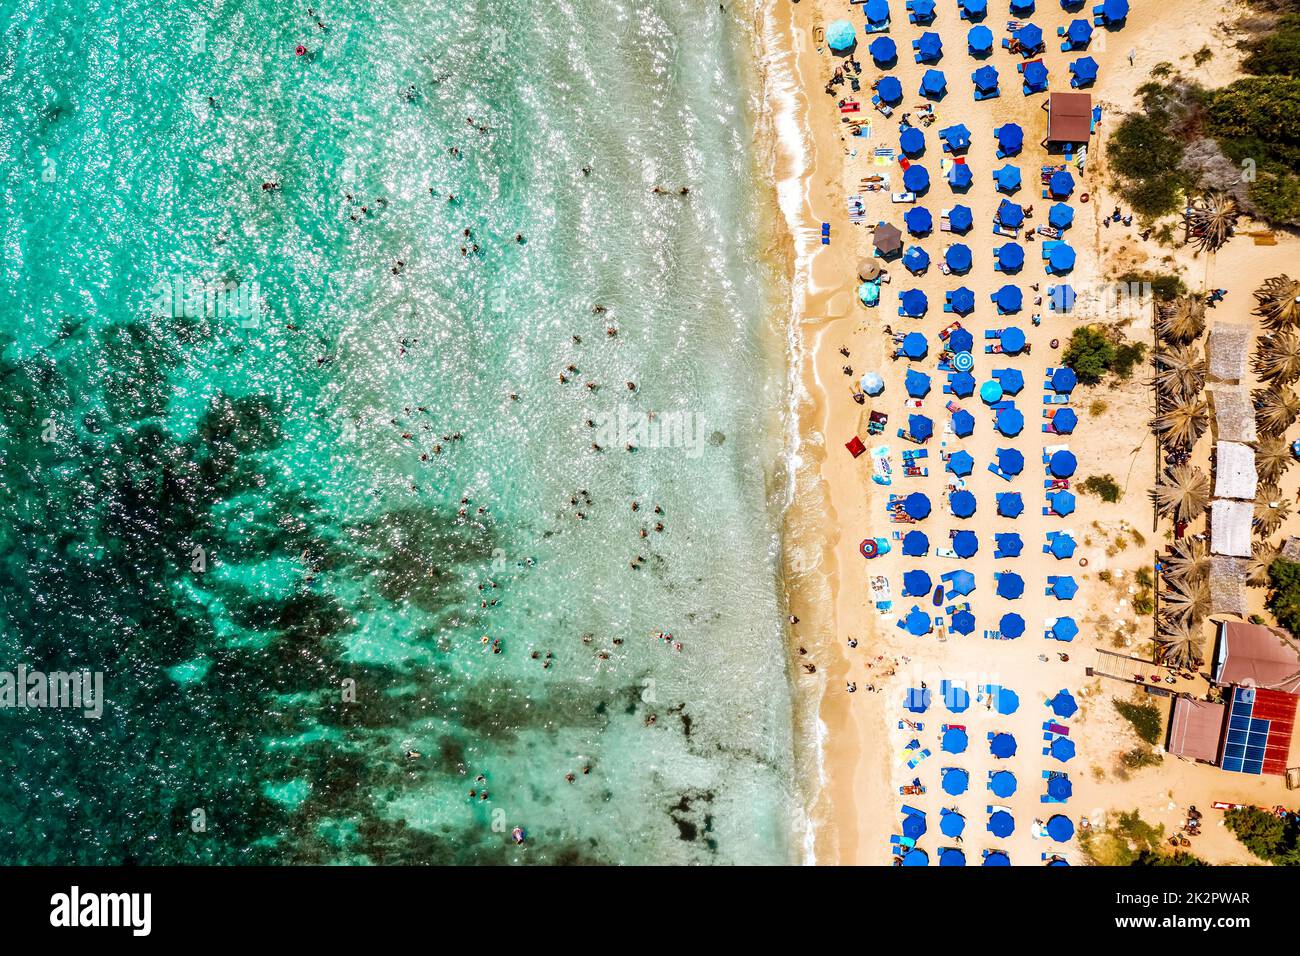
[(1266, 836), (1277, 53), (1284, 593), (1092, 354), (1103, 486), (1145, 718)]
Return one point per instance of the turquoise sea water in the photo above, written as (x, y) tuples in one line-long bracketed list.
[(282, 521)]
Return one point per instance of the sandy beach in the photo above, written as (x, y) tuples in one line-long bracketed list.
[(859, 736)]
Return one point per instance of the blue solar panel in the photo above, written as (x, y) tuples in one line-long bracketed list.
[(1247, 736)]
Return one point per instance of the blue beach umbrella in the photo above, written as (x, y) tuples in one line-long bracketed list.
[(924, 10), (961, 463), (1064, 588), (917, 700), (954, 741), (1002, 824), (1064, 420), (1012, 625), (916, 260), (912, 142), (1062, 464), (996, 858), (920, 427), (951, 856), (1008, 299), (1059, 788), (1010, 422), (1030, 35), (1003, 784), (914, 304), (1010, 544), (1003, 745), (1007, 701), (914, 826), (1010, 138), (889, 89), (1035, 76), (963, 384), (960, 218), (1061, 184), (991, 391), (916, 179), (1063, 704), (1012, 379), (1010, 461), (965, 543), (963, 582), (1061, 298), (916, 857), (916, 583), (1062, 749), (1079, 32), (840, 35), (960, 176), (929, 46), (872, 383), (917, 505), (916, 544), (1011, 505), (1058, 861), (917, 622), (973, 8), (1061, 258), (1062, 547), (1060, 828), (957, 136), (915, 346), (963, 303), (985, 78), (1060, 216), (962, 503), (1013, 340), (933, 83), (958, 257), (963, 423), (877, 11), (951, 824), (883, 51), (1065, 629), (963, 622), (918, 219), (1084, 70), (980, 40), (1007, 178), (956, 698), (955, 781), (961, 340), (1011, 586), (1063, 503), (1010, 214), (1113, 11), (1011, 256)]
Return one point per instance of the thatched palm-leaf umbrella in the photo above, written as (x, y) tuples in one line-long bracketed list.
[(1272, 459), (1180, 320), (1179, 642), (1187, 601), (1182, 425), (1260, 561), (1278, 357), (1183, 493), (1188, 560), (1180, 372), (1276, 409), (1279, 302), (1271, 509), (1213, 218)]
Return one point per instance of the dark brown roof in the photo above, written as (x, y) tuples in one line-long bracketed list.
[(1069, 117), (1195, 729), (1256, 655)]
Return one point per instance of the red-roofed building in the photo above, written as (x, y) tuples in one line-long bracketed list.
[(1257, 656)]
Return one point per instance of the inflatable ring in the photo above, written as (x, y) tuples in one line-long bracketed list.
[(869, 548), (1083, 197), (1083, 562)]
